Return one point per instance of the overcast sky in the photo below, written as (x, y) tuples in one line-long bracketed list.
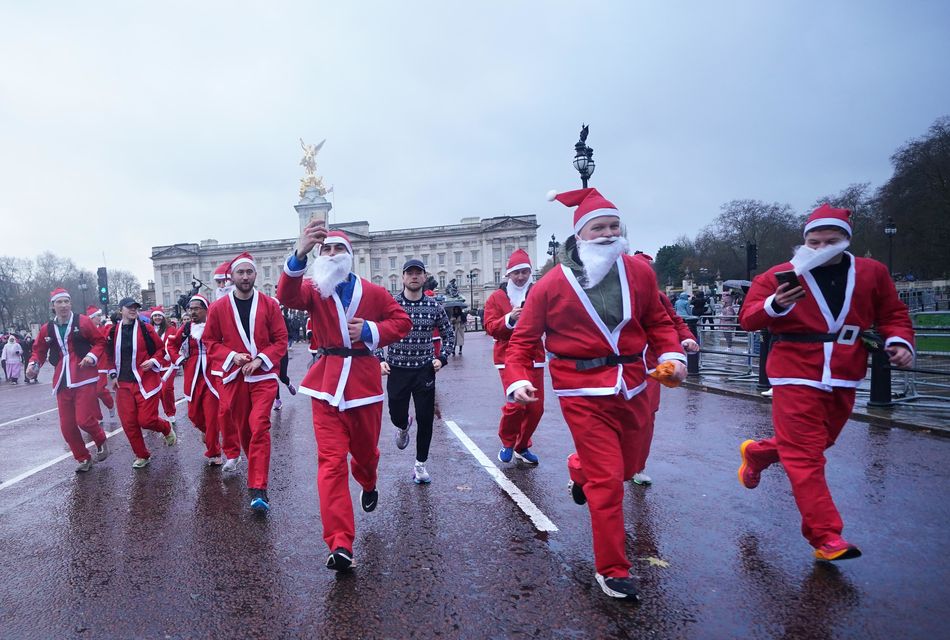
[(126, 125)]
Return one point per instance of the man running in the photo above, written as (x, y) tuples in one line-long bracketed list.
[(246, 337), (502, 310), (411, 365), (74, 347), (819, 318), (350, 318), (166, 333), (103, 386)]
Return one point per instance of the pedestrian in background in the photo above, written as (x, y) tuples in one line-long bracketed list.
[(682, 305), (459, 321), (12, 357), (728, 317)]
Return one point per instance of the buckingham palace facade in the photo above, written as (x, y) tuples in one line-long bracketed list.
[(473, 253)]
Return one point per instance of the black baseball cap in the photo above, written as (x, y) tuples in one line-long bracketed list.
[(129, 302), (413, 263)]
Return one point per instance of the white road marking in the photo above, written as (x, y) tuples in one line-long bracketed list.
[(26, 474), (41, 413), (541, 521)]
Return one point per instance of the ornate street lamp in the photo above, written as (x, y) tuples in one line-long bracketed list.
[(890, 230), (553, 247), (472, 276), (584, 157)]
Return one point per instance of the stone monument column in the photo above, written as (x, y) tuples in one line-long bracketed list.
[(313, 203)]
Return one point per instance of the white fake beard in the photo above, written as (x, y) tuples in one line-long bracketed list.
[(197, 330), (517, 294), (329, 271), (599, 255), (223, 291), (806, 258)]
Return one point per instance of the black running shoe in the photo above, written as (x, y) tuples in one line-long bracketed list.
[(577, 492), (368, 500), (340, 560), (623, 588)]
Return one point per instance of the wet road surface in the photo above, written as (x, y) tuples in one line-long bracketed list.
[(172, 550)]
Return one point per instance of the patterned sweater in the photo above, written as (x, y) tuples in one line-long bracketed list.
[(415, 350)]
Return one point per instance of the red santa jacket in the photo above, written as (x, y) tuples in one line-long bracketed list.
[(870, 301), (312, 345), (150, 380), (224, 337), (682, 331), (559, 309), (497, 308), (82, 339), (345, 382), (190, 350)]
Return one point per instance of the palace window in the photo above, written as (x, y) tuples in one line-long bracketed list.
[(442, 281), (392, 282), (441, 259), (498, 277), (377, 264), (475, 255), (392, 262), (267, 272), (496, 254), (458, 257)]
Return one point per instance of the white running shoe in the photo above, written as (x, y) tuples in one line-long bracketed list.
[(231, 464), (401, 437), (419, 473), (84, 466), (215, 461), (102, 452), (171, 420), (172, 437), (642, 479)]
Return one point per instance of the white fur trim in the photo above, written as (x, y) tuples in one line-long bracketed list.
[(58, 296), (241, 261), (508, 321), (268, 365), (510, 391), (827, 222), (672, 355), (596, 213), (901, 341), (292, 273), (523, 265), (772, 313), (339, 240)]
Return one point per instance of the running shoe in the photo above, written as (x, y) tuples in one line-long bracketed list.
[(401, 437), (419, 474), (748, 477), (837, 549), (84, 466), (506, 453), (278, 404), (527, 456), (340, 560), (577, 492), (172, 437), (171, 421), (259, 500), (231, 464), (215, 461), (642, 479), (368, 500), (292, 389), (102, 452), (140, 463), (623, 588)]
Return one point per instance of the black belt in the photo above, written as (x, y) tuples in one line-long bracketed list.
[(343, 352), (606, 361), (804, 337)]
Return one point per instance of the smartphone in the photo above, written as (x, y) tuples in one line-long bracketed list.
[(319, 217), (789, 278)]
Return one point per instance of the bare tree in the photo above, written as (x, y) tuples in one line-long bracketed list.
[(123, 284)]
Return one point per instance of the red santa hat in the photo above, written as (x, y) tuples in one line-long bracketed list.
[(56, 294), (338, 237), (518, 260), (200, 298), (92, 312), (429, 292), (828, 216), (222, 273), (590, 204), (243, 258), (156, 311)]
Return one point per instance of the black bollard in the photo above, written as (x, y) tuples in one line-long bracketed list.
[(763, 384), (692, 359), (880, 380)]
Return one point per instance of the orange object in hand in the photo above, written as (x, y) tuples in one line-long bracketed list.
[(664, 374)]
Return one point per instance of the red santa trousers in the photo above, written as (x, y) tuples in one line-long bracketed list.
[(646, 432), (168, 396), (354, 432), (807, 421), (519, 421), (203, 413), (248, 423), (136, 413), (77, 411), (102, 390), (606, 432)]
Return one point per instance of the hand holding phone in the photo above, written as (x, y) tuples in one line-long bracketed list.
[(789, 289)]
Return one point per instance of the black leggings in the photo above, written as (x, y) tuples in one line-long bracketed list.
[(419, 384), (282, 376)]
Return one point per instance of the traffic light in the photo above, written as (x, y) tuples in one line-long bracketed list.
[(103, 288), (751, 257)]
